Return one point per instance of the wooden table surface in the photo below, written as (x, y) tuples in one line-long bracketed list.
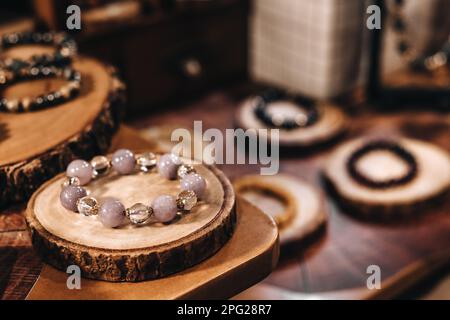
[(337, 257)]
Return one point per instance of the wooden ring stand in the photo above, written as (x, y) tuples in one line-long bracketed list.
[(130, 253), (432, 180), (331, 123), (35, 146), (304, 212)]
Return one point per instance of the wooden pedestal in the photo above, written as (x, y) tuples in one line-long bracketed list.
[(248, 257), (63, 238)]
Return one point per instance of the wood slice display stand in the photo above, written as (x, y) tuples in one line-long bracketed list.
[(248, 257), (431, 182), (35, 146), (332, 122), (301, 203), (63, 238)]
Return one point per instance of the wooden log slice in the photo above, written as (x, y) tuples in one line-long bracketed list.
[(35, 146), (431, 182), (247, 258), (299, 205), (130, 253), (331, 123)]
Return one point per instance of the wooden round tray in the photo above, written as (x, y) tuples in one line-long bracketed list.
[(432, 181), (35, 146), (331, 124), (63, 238)]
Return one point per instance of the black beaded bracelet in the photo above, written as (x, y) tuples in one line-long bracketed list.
[(65, 93), (65, 49), (390, 146), (312, 113)]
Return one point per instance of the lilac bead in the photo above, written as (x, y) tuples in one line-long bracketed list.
[(194, 182), (123, 161), (165, 208), (69, 196), (112, 213), (168, 165), (80, 169)]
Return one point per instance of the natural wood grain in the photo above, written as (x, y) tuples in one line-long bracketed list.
[(247, 258), (32, 133), (131, 253), (34, 146)]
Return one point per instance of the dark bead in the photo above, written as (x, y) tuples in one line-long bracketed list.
[(403, 46), (399, 25)]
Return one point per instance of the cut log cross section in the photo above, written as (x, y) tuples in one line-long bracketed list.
[(35, 146), (431, 183), (131, 253)]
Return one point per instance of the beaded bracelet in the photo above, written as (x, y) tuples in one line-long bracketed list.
[(65, 93), (112, 212), (65, 49), (278, 121), (390, 146)]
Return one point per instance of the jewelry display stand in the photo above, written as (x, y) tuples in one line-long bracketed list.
[(248, 257), (300, 210), (331, 123), (36, 145), (432, 180), (132, 253)]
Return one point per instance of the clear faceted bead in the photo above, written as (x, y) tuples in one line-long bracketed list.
[(146, 161), (71, 181), (184, 170), (13, 105), (87, 206), (186, 200), (139, 213), (101, 165)]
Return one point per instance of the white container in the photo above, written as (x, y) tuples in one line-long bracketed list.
[(312, 47)]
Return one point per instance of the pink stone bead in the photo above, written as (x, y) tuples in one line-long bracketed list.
[(168, 165), (111, 213), (80, 169), (69, 196), (164, 208), (194, 182), (123, 161)]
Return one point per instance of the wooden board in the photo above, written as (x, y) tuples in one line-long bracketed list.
[(247, 258), (339, 258), (34, 146)]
